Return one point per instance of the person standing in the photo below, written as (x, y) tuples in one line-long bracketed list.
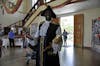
[(46, 32), (11, 36), (23, 35), (65, 33)]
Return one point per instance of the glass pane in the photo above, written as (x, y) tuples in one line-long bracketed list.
[(45, 1), (33, 2)]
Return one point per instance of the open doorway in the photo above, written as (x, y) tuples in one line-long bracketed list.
[(67, 23)]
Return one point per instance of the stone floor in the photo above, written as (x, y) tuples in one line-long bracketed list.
[(69, 56), (14, 57), (79, 57)]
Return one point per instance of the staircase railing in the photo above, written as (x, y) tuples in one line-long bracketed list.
[(29, 14), (38, 4)]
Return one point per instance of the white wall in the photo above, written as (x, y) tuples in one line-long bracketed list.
[(89, 14)]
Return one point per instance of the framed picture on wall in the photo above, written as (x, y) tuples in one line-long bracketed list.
[(95, 32)]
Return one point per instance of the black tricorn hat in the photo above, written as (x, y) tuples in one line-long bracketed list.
[(48, 11)]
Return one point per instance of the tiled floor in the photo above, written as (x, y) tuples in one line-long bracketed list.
[(14, 57), (79, 57), (69, 56)]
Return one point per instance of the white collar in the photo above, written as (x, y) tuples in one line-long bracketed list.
[(47, 21)]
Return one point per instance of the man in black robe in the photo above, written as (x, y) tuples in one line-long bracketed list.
[(48, 30)]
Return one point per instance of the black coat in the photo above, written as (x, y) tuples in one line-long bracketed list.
[(48, 60)]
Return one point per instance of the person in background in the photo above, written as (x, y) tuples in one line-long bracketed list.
[(23, 35), (25, 41), (65, 33), (11, 36)]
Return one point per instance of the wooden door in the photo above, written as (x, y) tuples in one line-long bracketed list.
[(78, 30)]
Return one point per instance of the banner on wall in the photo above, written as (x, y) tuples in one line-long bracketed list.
[(95, 32)]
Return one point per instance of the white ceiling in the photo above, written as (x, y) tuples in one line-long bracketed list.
[(75, 7), (8, 19)]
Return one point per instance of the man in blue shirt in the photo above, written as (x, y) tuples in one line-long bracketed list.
[(11, 37)]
